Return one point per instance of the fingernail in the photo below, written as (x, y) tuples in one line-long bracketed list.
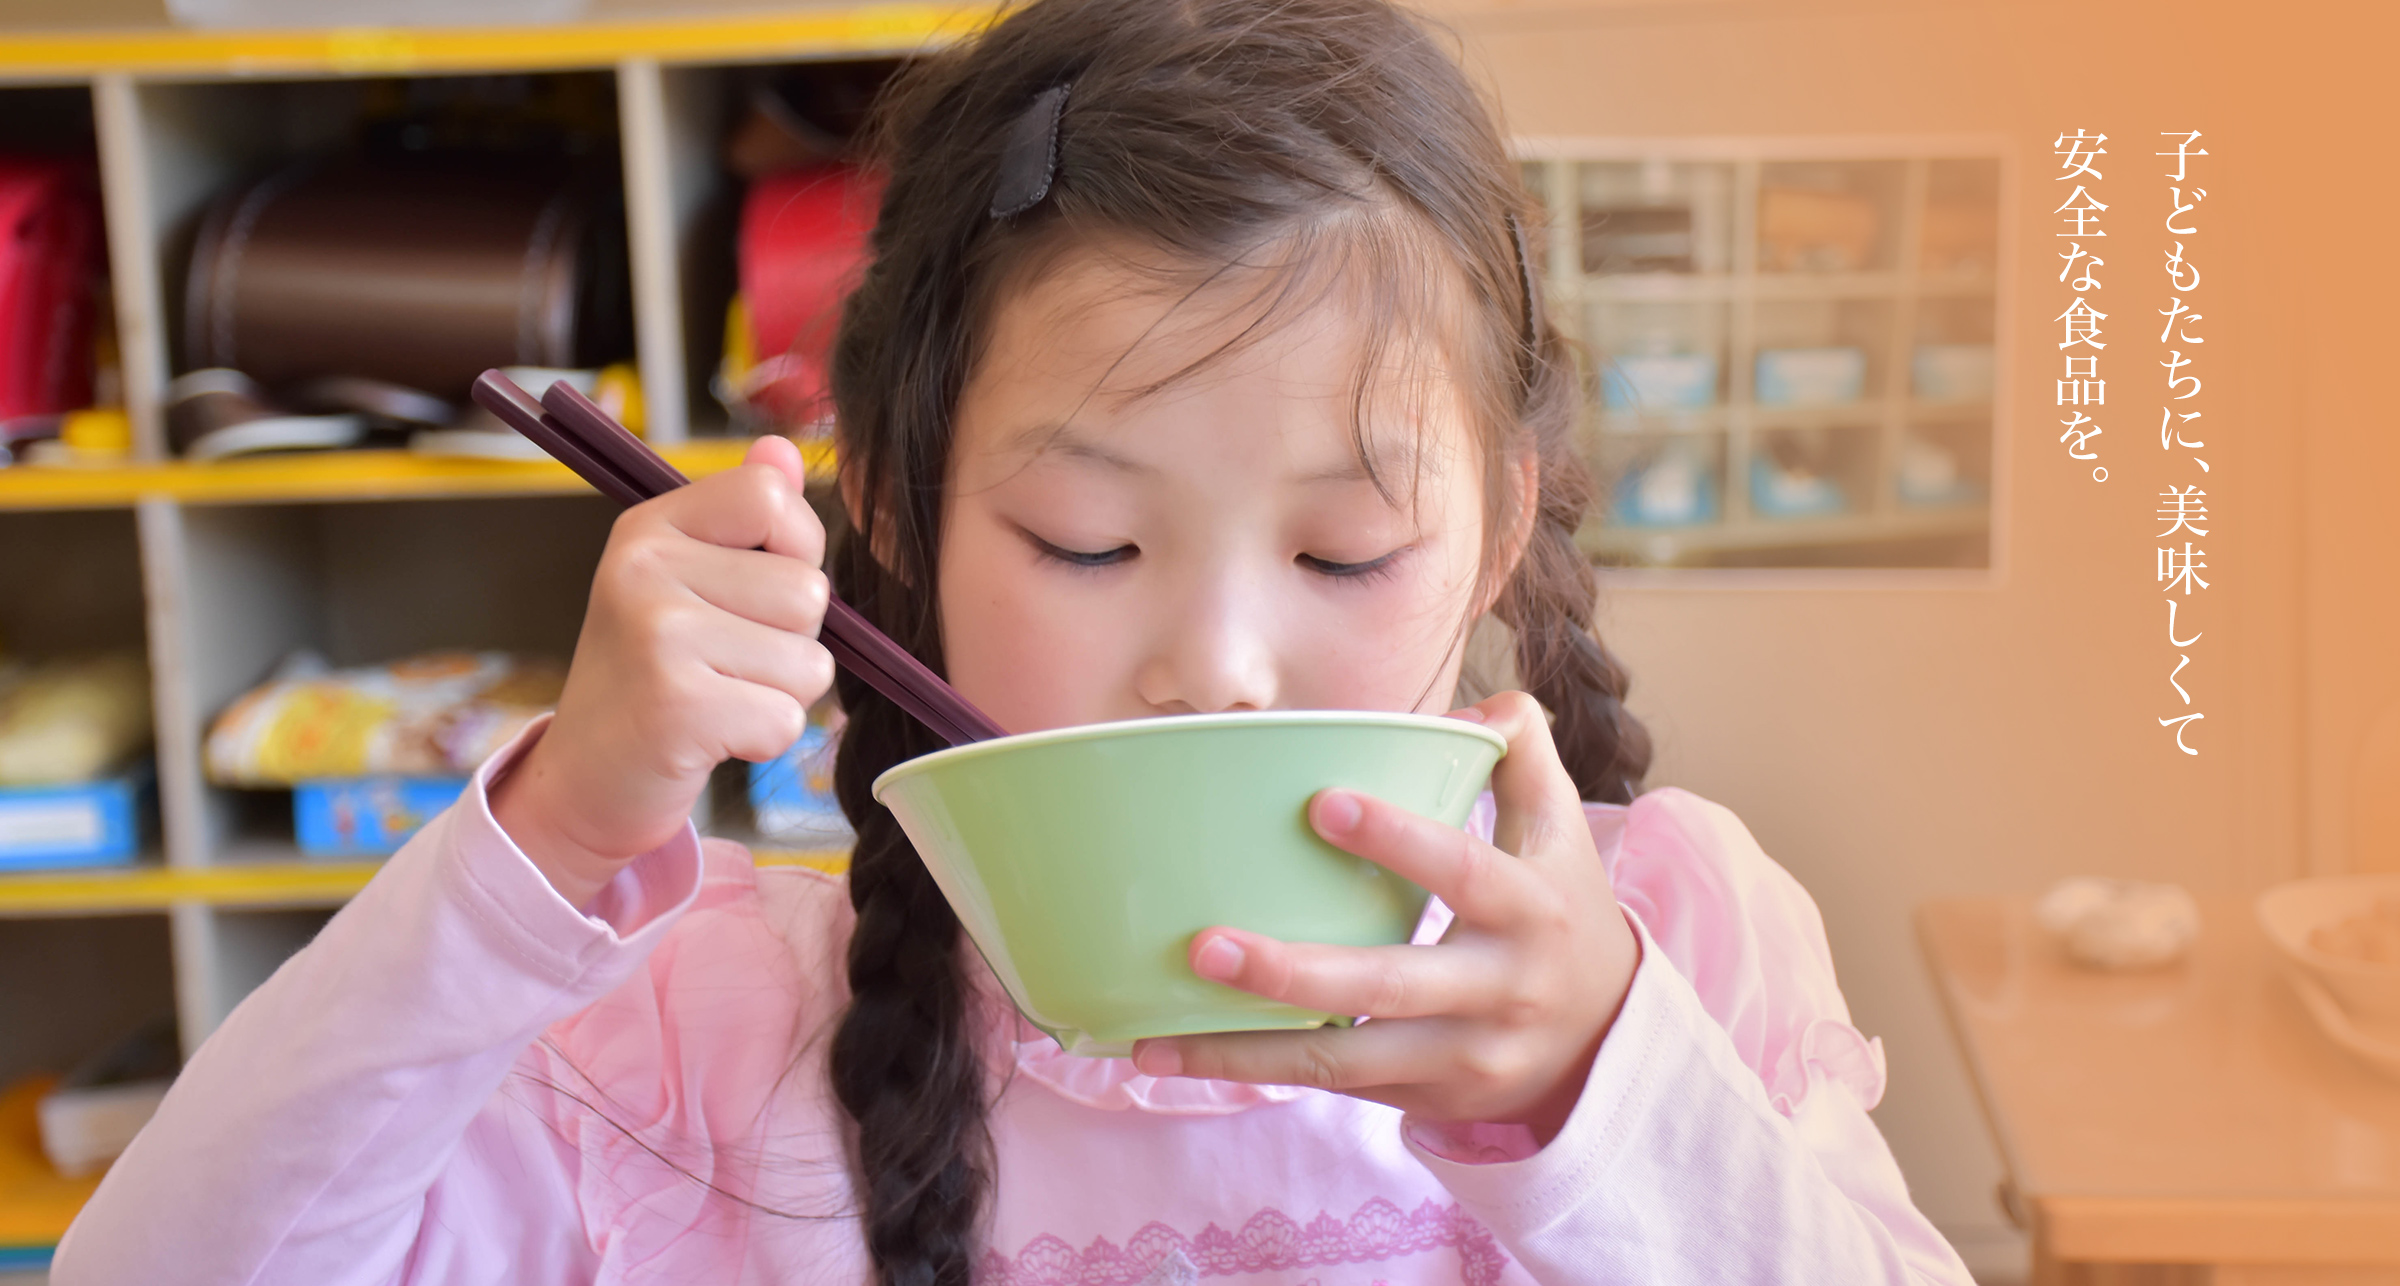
[(1337, 812), (1158, 1058), (1219, 958), (1471, 714)]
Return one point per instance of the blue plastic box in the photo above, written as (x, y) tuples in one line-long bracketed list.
[(792, 799), (1811, 376), (91, 823), (1659, 381), (367, 816)]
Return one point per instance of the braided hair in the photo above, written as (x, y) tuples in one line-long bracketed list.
[(1208, 128)]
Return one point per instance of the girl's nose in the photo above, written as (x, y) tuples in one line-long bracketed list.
[(1212, 651)]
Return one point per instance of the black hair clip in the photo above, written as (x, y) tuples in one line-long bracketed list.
[(1530, 321), (1029, 155)]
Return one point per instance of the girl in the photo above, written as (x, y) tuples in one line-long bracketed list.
[(1199, 368)]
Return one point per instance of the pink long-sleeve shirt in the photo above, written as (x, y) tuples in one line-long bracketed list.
[(464, 1079)]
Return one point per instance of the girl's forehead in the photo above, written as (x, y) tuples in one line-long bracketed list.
[(1109, 339)]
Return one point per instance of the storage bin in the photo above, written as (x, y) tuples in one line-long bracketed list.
[(367, 816), (791, 795), (1676, 487), (92, 823), (1777, 491), (1811, 376), (1951, 372), (1659, 381)]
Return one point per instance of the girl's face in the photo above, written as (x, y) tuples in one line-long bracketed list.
[(1113, 549)]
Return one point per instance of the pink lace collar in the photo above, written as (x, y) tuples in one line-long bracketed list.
[(1111, 1084)]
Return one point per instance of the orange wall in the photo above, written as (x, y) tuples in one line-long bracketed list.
[(1891, 743)]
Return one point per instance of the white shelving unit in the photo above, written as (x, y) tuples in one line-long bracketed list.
[(217, 572), (1660, 248)]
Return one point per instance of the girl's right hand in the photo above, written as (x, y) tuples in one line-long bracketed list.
[(699, 645)]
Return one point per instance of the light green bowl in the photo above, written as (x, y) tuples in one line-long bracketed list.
[(1082, 860)]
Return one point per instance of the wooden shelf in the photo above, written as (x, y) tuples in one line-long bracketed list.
[(1659, 287), (846, 31), (1667, 545), (250, 884), (339, 475), (1648, 287)]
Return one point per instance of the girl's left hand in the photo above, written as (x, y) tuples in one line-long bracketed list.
[(1500, 1020)]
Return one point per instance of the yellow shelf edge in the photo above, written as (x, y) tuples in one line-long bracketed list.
[(156, 888), (36, 1202), (830, 861), (124, 890), (860, 29), (340, 475)]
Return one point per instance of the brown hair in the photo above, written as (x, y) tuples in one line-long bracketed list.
[(1208, 129)]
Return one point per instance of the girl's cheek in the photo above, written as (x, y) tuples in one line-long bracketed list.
[(1385, 647), (1033, 650)]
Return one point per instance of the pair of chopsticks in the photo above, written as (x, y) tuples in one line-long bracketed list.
[(620, 466)]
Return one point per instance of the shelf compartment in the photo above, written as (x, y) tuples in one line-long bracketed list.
[(1654, 216), (685, 200), (1829, 216), (295, 158)]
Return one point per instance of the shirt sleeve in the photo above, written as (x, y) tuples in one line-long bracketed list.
[(1723, 1132), (335, 1129)]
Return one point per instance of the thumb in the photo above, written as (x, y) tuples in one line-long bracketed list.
[(1531, 788), (783, 454)]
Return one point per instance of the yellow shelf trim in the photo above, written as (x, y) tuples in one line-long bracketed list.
[(155, 888), (340, 475), (245, 884), (861, 29), (36, 1202)]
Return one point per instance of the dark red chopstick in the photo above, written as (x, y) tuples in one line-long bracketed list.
[(621, 466), (590, 426), (501, 396)]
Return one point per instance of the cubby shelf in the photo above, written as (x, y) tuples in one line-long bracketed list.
[(340, 475), (1784, 333), (217, 572)]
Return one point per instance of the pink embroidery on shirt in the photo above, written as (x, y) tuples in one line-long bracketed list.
[(1269, 1242)]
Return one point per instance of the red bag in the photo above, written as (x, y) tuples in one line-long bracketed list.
[(50, 267), (803, 245)]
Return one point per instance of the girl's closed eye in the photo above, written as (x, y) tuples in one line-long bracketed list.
[(1079, 558), (1372, 569)]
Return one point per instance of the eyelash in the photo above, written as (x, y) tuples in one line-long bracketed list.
[(1078, 559), (1371, 570)]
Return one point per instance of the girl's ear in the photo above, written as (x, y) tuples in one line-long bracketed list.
[(1522, 486), (853, 489), (881, 543)]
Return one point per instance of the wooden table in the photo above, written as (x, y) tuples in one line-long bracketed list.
[(2187, 1125)]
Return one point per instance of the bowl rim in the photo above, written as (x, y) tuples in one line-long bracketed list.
[(2299, 950), (1167, 723)]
